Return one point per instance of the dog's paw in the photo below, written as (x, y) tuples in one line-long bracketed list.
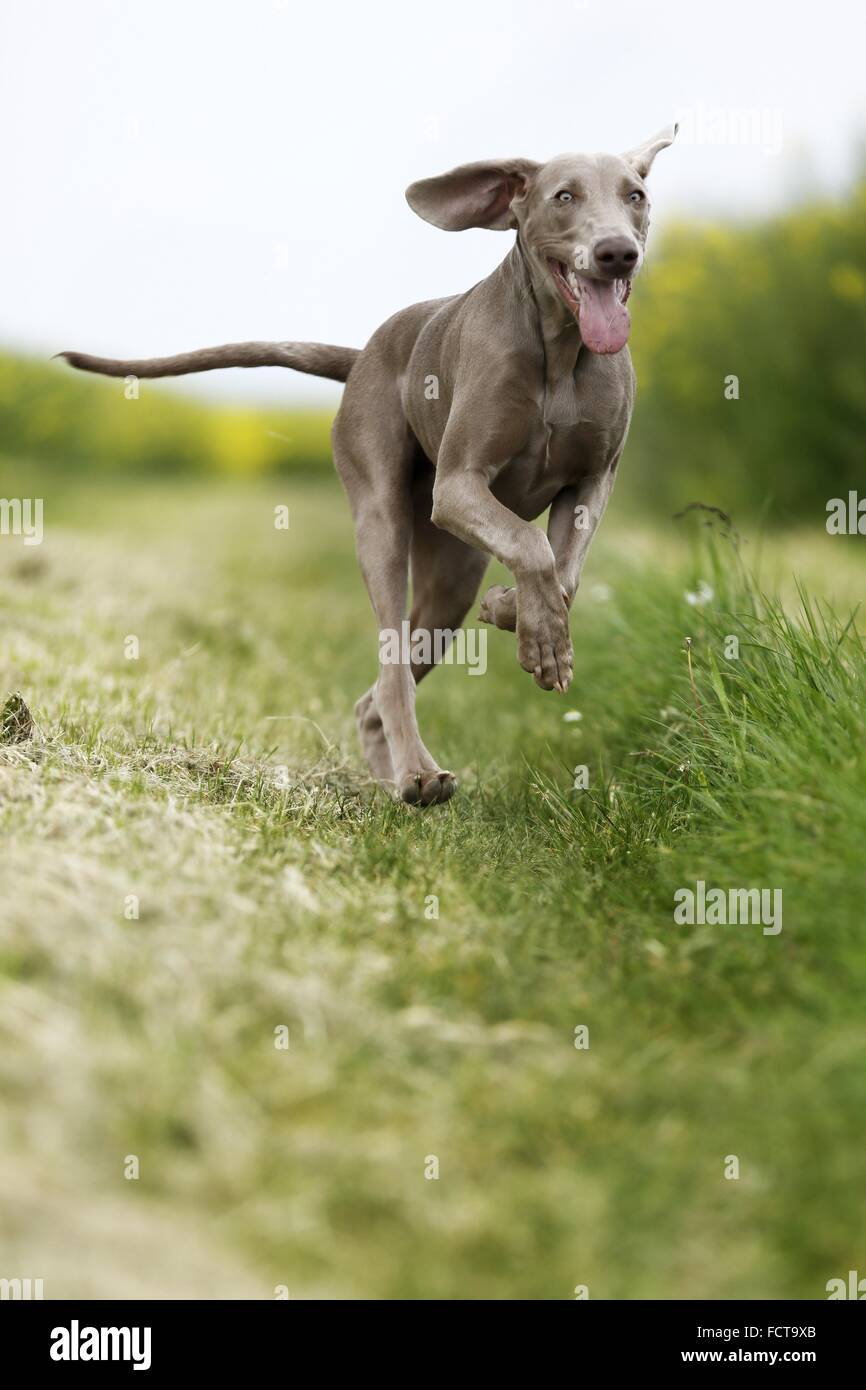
[(499, 607), (543, 639), (427, 788)]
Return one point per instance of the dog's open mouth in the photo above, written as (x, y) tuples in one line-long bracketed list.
[(598, 306)]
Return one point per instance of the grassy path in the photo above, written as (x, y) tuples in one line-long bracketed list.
[(213, 787)]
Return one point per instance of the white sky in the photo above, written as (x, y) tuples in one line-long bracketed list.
[(177, 173)]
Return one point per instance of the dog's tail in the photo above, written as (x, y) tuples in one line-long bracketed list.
[(318, 359)]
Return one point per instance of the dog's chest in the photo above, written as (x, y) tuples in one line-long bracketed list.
[(555, 456), (565, 442)]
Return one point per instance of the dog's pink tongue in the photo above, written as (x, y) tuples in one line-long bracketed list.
[(604, 320)]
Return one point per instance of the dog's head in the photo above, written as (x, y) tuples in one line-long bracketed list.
[(581, 219)]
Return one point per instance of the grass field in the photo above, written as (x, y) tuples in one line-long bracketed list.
[(216, 781)]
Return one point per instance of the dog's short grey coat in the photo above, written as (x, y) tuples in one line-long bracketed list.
[(463, 419)]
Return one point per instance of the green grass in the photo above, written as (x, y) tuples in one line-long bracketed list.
[(217, 779)]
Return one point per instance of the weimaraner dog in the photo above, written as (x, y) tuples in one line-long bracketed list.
[(465, 418)]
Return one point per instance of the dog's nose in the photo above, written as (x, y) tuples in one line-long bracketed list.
[(616, 255)]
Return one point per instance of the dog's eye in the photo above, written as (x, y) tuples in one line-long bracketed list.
[(636, 196), (563, 196)]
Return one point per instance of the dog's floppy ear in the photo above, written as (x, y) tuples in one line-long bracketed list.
[(641, 158), (473, 195)]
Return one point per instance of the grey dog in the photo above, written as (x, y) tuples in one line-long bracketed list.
[(465, 418)]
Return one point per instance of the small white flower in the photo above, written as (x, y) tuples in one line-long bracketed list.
[(702, 595), (572, 716)]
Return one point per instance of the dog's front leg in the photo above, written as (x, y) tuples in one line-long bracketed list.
[(464, 505), (574, 517)]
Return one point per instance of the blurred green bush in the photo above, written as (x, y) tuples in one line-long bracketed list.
[(777, 303), (51, 414)]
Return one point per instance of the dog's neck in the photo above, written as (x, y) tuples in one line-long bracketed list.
[(553, 327), (557, 328)]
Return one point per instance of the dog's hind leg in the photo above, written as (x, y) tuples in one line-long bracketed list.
[(372, 737), (446, 575), (375, 457)]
